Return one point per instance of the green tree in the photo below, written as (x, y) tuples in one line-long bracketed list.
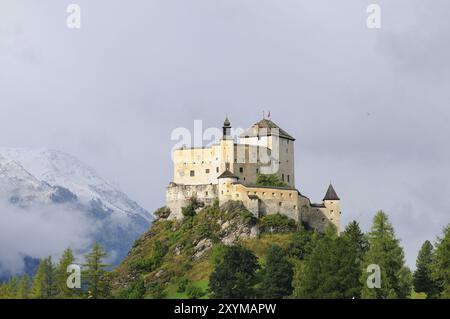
[(23, 287), (235, 276), (329, 271), (269, 180), (44, 284), (423, 281), (441, 265), (277, 223), (357, 239), (64, 292), (386, 252), (95, 273), (10, 288), (301, 244), (359, 243), (135, 290), (277, 274)]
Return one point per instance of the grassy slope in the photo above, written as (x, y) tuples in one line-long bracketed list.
[(180, 239)]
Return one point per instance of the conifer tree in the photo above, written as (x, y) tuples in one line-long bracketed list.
[(23, 287), (95, 273), (386, 252), (235, 276), (44, 282), (64, 292), (277, 274), (330, 271), (423, 281), (356, 238), (441, 265)]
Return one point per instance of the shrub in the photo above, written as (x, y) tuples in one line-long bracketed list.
[(183, 283), (135, 291), (194, 292), (269, 180), (189, 210), (153, 261), (162, 212), (277, 223)]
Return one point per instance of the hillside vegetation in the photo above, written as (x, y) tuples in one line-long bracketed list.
[(173, 255)]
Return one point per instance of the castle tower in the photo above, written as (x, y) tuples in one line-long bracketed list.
[(267, 135), (225, 190), (332, 204), (227, 148)]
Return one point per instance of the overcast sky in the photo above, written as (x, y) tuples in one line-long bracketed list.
[(369, 107)]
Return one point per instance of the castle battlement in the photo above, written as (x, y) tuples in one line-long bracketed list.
[(228, 171)]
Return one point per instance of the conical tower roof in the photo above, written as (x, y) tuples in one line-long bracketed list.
[(331, 194)]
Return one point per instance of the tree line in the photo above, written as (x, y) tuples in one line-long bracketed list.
[(313, 265), (50, 279), (331, 266)]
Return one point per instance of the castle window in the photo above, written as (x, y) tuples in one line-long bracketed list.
[(288, 178), (207, 171), (282, 177), (279, 204), (217, 170), (206, 193), (295, 206), (257, 171), (192, 173), (241, 170)]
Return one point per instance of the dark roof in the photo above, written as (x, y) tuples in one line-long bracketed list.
[(227, 174), (317, 205), (267, 126), (226, 123), (331, 194)]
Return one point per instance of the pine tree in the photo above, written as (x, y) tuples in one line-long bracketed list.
[(235, 276), (386, 252), (356, 238), (441, 265), (358, 241), (23, 287), (423, 281), (44, 282), (11, 288), (67, 258), (330, 271), (96, 274), (277, 274)]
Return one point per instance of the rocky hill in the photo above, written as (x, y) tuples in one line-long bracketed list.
[(172, 252)]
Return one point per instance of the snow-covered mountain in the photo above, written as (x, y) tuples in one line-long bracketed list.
[(47, 180)]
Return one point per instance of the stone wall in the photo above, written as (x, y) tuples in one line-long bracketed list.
[(178, 196)]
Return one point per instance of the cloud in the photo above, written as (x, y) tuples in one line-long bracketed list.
[(39, 232)]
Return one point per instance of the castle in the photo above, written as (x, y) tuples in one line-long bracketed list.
[(229, 171)]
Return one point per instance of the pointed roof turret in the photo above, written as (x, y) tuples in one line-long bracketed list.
[(226, 123), (331, 194)]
